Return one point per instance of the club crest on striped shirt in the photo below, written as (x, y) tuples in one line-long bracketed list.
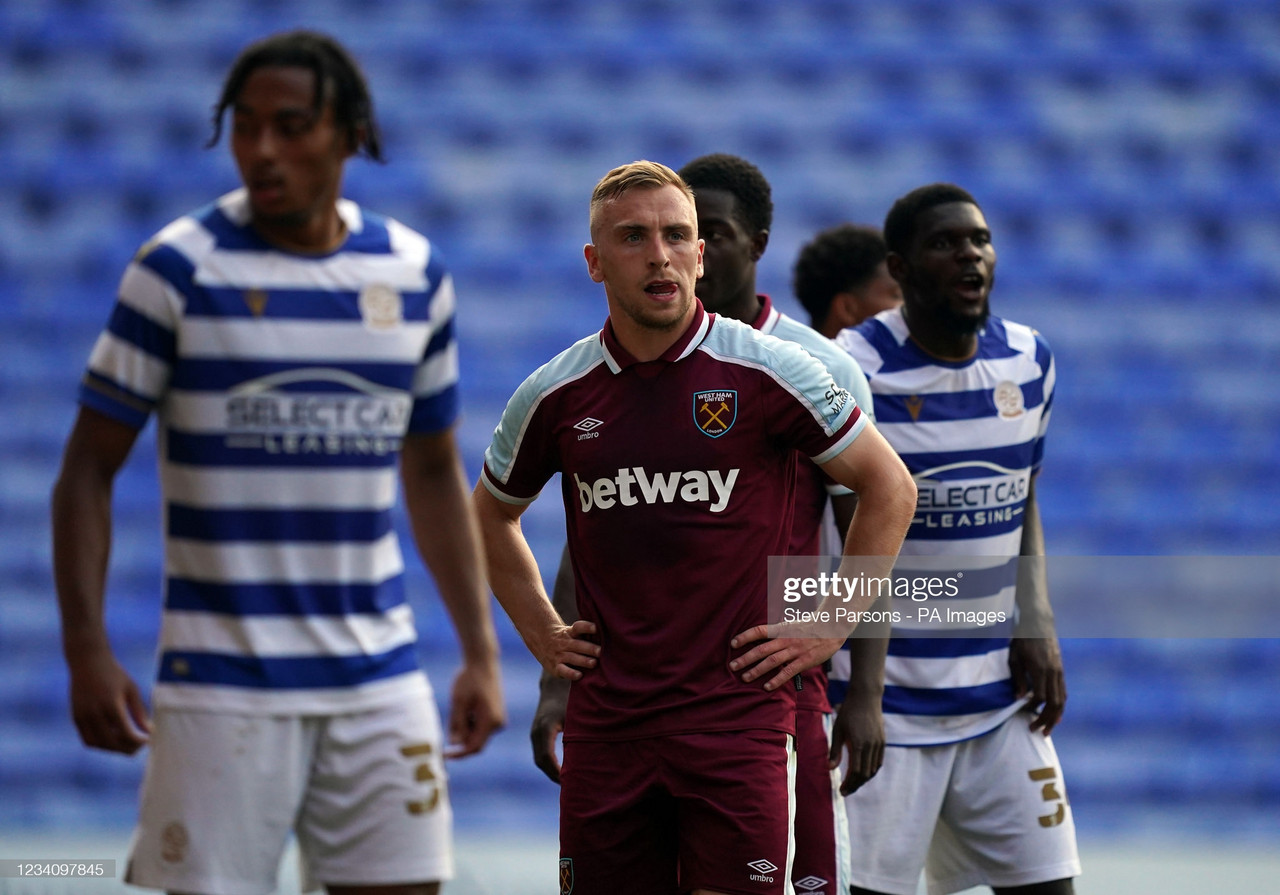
[(715, 411), (566, 876), (256, 299), (1008, 398), (381, 307)]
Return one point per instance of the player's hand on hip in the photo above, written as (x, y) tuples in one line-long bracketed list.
[(859, 731), (106, 704), (1036, 666), (476, 708), (567, 653), (788, 648), (548, 723)]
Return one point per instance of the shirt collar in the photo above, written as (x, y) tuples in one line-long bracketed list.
[(767, 319), (618, 358)]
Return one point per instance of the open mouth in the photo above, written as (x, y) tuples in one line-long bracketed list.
[(664, 289), (971, 285)]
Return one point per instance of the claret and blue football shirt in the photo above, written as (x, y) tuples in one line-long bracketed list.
[(677, 476)]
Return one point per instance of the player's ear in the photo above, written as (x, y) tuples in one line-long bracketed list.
[(759, 243), (899, 269), (593, 263), (844, 308)]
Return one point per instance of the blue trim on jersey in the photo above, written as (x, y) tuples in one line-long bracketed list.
[(441, 338), (1010, 456), (293, 673), (284, 599), (436, 270), (173, 267), (277, 525), (944, 647), (227, 235), (978, 583), (212, 450), (373, 238), (142, 332), (113, 400), (291, 304), (880, 338), (198, 374), (896, 357), (948, 700), (435, 413), (950, 406)]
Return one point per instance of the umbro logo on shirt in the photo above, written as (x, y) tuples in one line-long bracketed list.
[(588, 427), (762, 870)]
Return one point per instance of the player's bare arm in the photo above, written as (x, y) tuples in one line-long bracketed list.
[(859, 723), (513, 576), (1035, 658), (553, 692), (448, 537), (886, 505), (106, 704)]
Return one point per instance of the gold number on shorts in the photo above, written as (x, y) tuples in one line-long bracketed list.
[(1049, 792), (422, 773)]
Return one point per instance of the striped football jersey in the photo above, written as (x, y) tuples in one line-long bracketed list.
[(972, 435), (283, 386)]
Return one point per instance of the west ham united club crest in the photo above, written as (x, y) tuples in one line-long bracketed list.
[(714, 411), (566, 876)]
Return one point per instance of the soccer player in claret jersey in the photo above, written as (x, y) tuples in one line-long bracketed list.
[(735, 211), (841, 278), (674, 432), (971, 790), (294, 347)]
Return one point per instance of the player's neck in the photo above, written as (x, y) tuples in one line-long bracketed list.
[(939, 342), (646, 343), (316, 234), (745, 307)]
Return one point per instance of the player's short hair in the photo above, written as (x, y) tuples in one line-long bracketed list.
[(636, 175), (900, 223), (737, 176), (338, 79), (839, 259)]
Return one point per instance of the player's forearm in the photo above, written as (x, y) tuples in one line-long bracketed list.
[(448, 539), (1035, 613), (562, 592), (565, 603), (513, 573), (81, 524), (885, 509), (867, 652)]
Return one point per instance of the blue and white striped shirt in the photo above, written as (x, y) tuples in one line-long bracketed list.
[(972, 435), (283, 386)]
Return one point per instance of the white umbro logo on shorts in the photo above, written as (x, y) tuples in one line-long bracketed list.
[(588, 424), (763, 866), (810, 883)]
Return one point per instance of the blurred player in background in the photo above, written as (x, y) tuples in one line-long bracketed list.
[(294, 347), (971, 790), (735, 211), (675, 434), (841, 278)]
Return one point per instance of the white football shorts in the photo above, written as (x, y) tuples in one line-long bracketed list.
[(365, 793), (990, 811)]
